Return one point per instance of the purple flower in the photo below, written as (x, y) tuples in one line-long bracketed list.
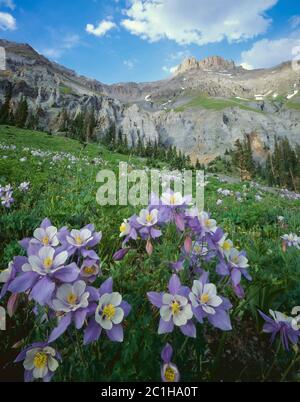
[(7, 199), (47, 261), (172, 208), (207, 224), (8, 275), (146, 221), (40, 362), (235, 267), (207, 304), (291, 240), (46, 235), (41, 274), (175, 308), (128, 230), (148, 218), (81, 241), (107, 315), (238, 264), (89, 270), (169, 371), (280, 324), (120, 254), (72, 302)]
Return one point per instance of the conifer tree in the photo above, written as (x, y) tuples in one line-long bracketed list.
[(5, 110), (21, 113)]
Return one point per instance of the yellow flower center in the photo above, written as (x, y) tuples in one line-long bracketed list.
[(89, 270), (204, 298), (48, 262), (149, 218), (208, 223), (235, 259), (123, 228), (197, 249), (175, 307), (78, 240), (170, 374), (227, 245), (45, 241), (172, 199), (40, 360), (109, 311), (71, 298)]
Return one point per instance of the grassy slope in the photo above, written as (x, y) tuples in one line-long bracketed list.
[(67, 196), (215, 104)]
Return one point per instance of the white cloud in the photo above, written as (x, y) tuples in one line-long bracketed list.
[(179, 56), (67, 43), (197, 21), (130, 63), (102, 28), (269, 53), (8, 3), (7, 22), (246, 66), (170, 70), (295, 21)]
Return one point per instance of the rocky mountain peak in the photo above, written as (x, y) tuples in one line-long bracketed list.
[(214, 63)]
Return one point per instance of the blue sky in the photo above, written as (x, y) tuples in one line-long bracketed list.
[(143, 40)]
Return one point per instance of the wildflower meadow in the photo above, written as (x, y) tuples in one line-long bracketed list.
[(162, 292)]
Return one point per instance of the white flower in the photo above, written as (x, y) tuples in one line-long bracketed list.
[(79, 238), (148, 218), (237, 259), (24, 186), (5, 275), (45, 262), (71, 297), (199, 248), (296, 320), (280, 218), (109, 312), (40, 361), (177, 308), (172, 199), (205, 296), (47, 237), (258, 198), (90, 269), (219, 202), (208, 225), (280, 317), (292, 240), (125, 228), (225, 245), (7, 189)]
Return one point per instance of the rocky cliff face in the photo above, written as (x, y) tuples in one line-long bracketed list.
[(214, 63), (202, 110)]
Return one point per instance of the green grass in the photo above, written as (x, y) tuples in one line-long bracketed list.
[(66, 193), (64, 90), (293, 105), (215, 104)]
